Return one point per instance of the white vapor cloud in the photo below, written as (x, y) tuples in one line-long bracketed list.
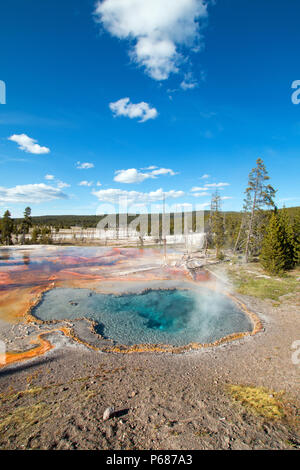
[(142, 110), (188, 82), (86, 183), (196, 189), (133, 197), (30, 193), (202, 194), (132, 175), (216, 185), (84, 166), (157, 29), (62, 184), (28, 144)]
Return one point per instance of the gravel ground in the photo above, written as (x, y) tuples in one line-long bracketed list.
[(161, 401)]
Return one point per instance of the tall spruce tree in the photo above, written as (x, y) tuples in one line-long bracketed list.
[(289, 245), (7, 228), (272, 255), (259, 195), (26, 223)]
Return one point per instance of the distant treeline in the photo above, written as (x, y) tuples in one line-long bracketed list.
[(90, 221)]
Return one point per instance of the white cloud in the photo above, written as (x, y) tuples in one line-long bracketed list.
[(151, 167), (132, 175), (98, 183), (30, 193), (200, 194), (204, 177), (84, 166), (163, 171), (197, 189), (28, 144), (216, 185), (142, 110), (188, 82), (134, 197), (86, 183), (158, 30), (62, 184)]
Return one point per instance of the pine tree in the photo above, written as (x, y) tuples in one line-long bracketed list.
[(258, 195), (7, 228), (296, 229), (289, 245), (272, 256), (217, 224), (26, 223)]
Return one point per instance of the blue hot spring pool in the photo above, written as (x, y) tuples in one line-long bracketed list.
[(175, 317)]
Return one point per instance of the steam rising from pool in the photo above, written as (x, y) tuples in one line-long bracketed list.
[(175, 317)]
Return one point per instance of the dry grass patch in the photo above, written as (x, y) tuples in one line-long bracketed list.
[(260, 401), (11, 396), (24, 417)]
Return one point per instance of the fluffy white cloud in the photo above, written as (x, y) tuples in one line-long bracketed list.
[(134, 197), (142, 110), (132, 175), (49, 177), (157, 29), (84, 166), (28, 144), (30, 193), (204, 177), (86, 183)]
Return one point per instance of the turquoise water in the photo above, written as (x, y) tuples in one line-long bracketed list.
[(174, 317)]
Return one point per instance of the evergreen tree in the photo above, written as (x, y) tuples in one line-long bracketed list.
[(289, 245), (35, 235), (217, 224), (296, 230), (26, 223), (259, 194), (272, 256), (7, 228)]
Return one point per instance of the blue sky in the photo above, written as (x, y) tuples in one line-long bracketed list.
[(143, 99)]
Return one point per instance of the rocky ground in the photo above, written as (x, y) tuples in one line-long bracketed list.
[(241, 395)]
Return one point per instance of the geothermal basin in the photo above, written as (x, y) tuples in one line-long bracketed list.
[(158, 316), (135, 300)]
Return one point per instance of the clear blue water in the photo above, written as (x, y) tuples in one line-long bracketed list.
[(174, 317)]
